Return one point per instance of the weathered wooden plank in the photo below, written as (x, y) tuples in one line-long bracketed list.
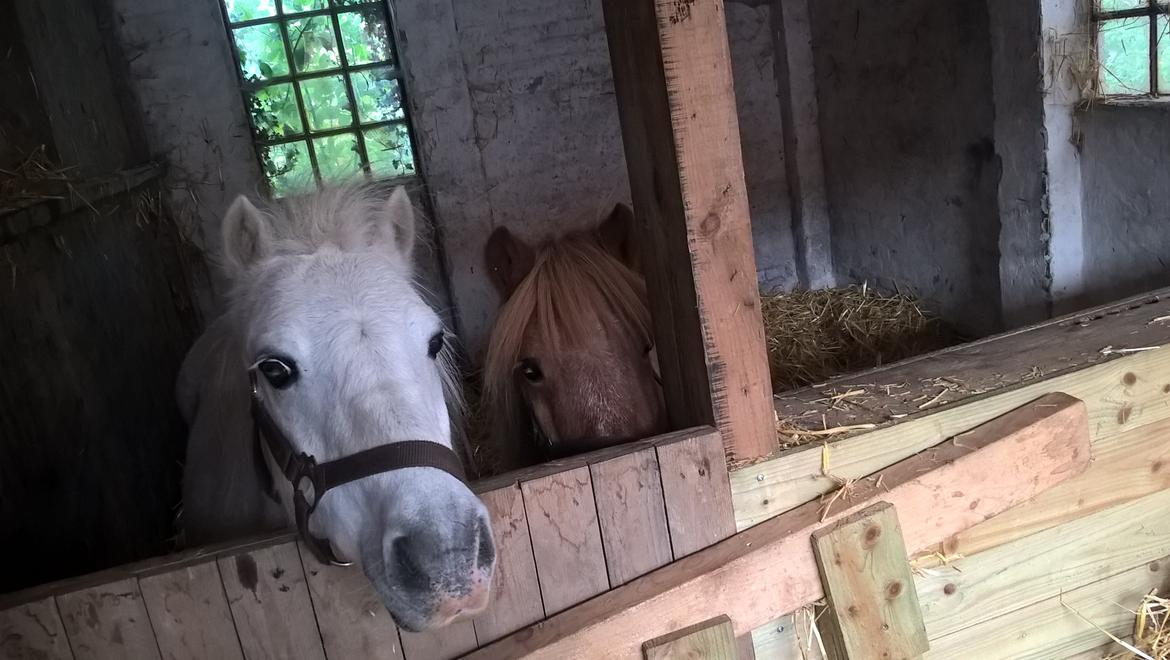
[(566, 538), (632, 515), (698, 497), (1126, 467), (352, 619), (270, 603), (516, 600), (189, 613), (1003, 579), (676, 103), (711, 640), (33, 631), (1051, 629), (767, 571), (108, 621), (872, 605), (449, 642), (1120, 395)]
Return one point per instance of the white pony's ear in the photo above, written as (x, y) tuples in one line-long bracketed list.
[(395, 224), (247, 235)]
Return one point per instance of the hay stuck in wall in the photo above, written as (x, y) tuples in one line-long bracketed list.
[(815, 335)]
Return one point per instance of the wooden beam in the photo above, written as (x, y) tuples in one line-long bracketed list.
[(672, 74), (710, 640), (769, 570), (872, 605)]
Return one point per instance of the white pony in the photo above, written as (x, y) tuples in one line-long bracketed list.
[(346, 356)]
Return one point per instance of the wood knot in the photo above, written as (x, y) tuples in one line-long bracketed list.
[(950, 588), (1155, 567), (853, 610), (872, 534), (710, 224), (893, 589), (1129, 379)]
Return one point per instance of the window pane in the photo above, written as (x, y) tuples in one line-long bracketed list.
[(1118, 5), (337, 157), (261, 52), (287, 168), (1124, 52), (314, 45), (1164, 54), (377, 94), (389, 150), (354, 3), (363, 34), (297, 6), (274, 112), (326, 103), (246, 10)]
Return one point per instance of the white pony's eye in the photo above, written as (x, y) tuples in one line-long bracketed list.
[(436, 345), (280, 373)]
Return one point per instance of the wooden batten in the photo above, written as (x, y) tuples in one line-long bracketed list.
[(872, 606), (672, 74), (711, 640)]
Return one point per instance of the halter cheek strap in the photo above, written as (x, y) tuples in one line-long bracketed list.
[(311, 480)]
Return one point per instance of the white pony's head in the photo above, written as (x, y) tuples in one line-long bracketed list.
[(351, 357)]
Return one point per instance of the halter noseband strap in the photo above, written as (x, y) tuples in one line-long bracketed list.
[(311, 480)]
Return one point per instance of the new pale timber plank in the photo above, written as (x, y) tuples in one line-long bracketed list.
[(872, 605)]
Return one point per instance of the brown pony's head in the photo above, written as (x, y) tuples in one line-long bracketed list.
[(570, 358)]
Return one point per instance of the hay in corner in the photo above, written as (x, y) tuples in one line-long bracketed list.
[(815, 335)]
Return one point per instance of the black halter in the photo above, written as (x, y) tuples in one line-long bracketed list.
[(311, 480)]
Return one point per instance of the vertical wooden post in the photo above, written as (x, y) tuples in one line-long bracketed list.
[(873, 607), (672, 73)]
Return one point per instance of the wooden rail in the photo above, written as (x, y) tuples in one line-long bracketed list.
[(565, 532)]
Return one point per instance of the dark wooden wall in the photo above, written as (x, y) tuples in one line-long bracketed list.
[(94, 321)]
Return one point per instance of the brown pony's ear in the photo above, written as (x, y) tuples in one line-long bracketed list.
[(616, 234), (508, 260)]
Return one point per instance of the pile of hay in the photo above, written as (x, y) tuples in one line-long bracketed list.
[(814, 335)]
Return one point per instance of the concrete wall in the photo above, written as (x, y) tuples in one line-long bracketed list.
[(907, 126), (518, 126), (1126, 199)]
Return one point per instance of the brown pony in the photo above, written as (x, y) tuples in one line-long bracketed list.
[(570, 364)]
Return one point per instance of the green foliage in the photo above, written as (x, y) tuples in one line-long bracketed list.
[(363, 33), (389, 150), (316, 49), (246, 10)]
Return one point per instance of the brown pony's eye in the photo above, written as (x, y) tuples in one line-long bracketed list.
[(531, 371)]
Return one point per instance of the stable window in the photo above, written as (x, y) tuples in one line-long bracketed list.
[(323, 88), (1133, 47)]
